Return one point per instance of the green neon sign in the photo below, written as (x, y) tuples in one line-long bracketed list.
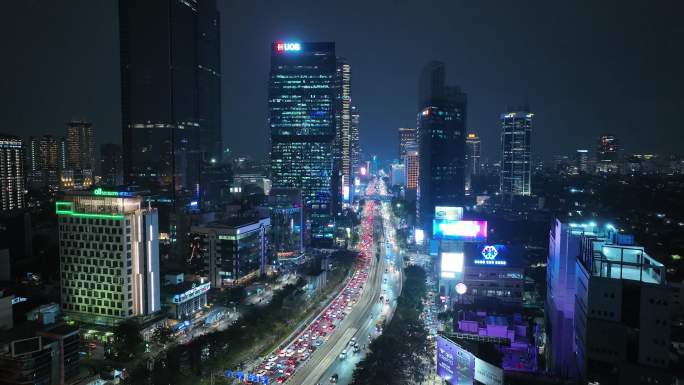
[(67, 208), (100, 192)]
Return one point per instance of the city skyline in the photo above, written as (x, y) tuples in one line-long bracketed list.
[(564, 74)]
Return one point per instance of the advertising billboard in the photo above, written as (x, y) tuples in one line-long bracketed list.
[(448, 212), (452, 263), (469, 231), (454, 364), (490, 255), (487, 373)]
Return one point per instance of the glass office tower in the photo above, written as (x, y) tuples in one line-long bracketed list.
[(441, 145), (170, 94), (516, 158), (301, 100)]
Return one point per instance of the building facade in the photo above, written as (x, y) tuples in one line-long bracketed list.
[(355, 146), (44, 163), (407, 137), (516, 156), (170, 94), (608, 154), (441, 145), (11, 173), (301, 105), (111, 167), (233, 252), (607, 307), (411, 166), (80, 153), (109, 256), (343, 134), (287, 224), (473, 163)]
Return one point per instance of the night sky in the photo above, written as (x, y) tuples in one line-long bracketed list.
[(586, 67)]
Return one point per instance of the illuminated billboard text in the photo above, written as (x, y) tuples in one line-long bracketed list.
[(284, 47), (459, 230), (448, 212), (491, 255)]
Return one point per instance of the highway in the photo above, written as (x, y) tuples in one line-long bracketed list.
[(314, 368), (384, 280)]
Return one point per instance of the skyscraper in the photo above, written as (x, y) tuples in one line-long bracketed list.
[(301, 104), (80, 153), (411, 160), (110, 164), (11, 173), (516, 159), (407, 136), (441, 144), (170, 93), (45, 155), (582, 161), (473, 164), (343, 138), (355, 149), (109, 256), (607, 154)]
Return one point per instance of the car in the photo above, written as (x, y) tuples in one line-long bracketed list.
[(334, 378)]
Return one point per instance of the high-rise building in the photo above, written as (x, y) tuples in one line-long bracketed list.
[(398, 174), (301, 104), (109, 256), (516, 158), (233, 252), (80, 153), (607, 307), (111, 170), (607, 154), (355, 147), (287, 224), (170, 94), (411, 165), (582, 161), (441, 145), (343, 135), (407, 136), (11, 173), (473, 164), (44, 163)]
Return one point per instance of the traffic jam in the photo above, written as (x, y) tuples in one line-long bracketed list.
[(281, 365)]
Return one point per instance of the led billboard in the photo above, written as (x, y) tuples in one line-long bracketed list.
[(492, 255), (487, 373), (449, 212), (452, 263), (470, 231), (454, 364)]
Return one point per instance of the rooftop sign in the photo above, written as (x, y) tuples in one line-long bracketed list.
[(286, 47)]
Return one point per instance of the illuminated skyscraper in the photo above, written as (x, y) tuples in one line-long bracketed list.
[(473, 164), (11, 173), (80, 153), (45, 155), (582, 161), (407, 136), (411, 165), (301, 104), (343, 138), (607, 154), (109, 256), (441, 145), (516, 159), (355, 149), (170, 94)]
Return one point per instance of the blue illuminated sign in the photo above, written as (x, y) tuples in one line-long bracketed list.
[(246, 376), (490, 253)]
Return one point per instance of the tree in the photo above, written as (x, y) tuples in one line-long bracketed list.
[(127, 340)]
